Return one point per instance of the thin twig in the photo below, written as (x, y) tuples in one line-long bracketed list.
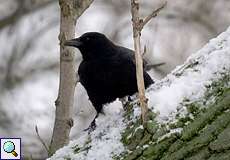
[(153, 66), (41, 140), (138, 58), (138, 25), (23, 10), (152, 15), (31, 157), (144, 52)]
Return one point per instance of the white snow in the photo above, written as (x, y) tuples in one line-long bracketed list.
[(105, 140), (140, 127), (214, 59), (176, 130)]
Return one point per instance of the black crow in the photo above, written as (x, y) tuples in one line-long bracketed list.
[(107, 71)]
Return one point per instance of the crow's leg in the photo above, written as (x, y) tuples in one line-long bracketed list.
[(92, 125), (126, 101), (130, 99)]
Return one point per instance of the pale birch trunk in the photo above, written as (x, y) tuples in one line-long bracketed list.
[(70, 11)]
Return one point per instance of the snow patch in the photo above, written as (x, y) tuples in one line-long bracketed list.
[(104, 140), (208, 64)]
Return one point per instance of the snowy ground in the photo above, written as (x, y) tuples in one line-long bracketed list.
[(108, 133), (186, 82)]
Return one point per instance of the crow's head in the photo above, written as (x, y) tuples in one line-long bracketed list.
[(92, 45)]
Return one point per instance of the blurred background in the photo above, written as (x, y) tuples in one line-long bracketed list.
[(29, 54)]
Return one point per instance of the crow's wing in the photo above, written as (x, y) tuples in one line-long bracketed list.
[(115, 76), (109, 73), (130, 54), (107, 79)]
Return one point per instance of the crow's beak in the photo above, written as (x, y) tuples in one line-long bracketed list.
[(73, 42)]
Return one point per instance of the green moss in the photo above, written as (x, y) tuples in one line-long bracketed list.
[(207, 117), (128, 107), (136, 138), (205, 130), (151, 115), (193, 108), (176, 146), (220, 156), (134, 155), (160, 132), (181, 149), (146, 139), (155, 151), (132, 134), (202, 154), (217, 88), (181, 122), (86, 147), (222, 142), (76, 149), (152, 127)]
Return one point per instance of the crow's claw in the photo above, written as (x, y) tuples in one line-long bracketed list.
[(91, 127)]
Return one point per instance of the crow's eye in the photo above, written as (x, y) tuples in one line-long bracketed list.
[(87, 38)]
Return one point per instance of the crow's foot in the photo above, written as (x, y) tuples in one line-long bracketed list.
[(91, 127)]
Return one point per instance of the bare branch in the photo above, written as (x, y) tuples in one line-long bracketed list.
[(16, 56), (41, 140), (138, 25), (153, 66), (152, 15), (32, 39), (139, 61), (22, 10), (144, 52)]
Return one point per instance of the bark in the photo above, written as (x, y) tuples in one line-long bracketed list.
[(138, 58), (138, 25), (70, 11)]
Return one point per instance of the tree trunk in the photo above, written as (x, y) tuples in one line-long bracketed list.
[(70, 11)]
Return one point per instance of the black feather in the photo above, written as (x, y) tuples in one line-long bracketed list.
[(107, 71)]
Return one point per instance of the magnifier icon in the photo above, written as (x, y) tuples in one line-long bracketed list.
[(9, 147)]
